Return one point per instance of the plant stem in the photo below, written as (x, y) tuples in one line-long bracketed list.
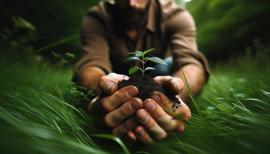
[(143, 65)]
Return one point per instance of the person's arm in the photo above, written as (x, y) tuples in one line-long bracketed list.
[(113, 106), (189, 64), (89, 77), (194, 79), (95, 60)]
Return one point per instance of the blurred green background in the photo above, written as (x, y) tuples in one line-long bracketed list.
[(225, 28)]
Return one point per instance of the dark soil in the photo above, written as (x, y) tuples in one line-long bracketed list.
[(146, 86)]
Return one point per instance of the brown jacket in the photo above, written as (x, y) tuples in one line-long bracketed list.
[(170, 30)]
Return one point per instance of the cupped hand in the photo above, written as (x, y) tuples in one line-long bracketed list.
[(157, 118), (114, 108)]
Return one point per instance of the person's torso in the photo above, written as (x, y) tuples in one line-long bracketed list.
[(120, 44)]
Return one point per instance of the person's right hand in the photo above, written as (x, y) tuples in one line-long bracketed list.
[(114, 108)]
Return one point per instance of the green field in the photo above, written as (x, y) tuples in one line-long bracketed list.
[(37, 111)]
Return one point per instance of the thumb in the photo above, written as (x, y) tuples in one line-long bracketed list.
[(174, 84), (170, 105), (108, 83)]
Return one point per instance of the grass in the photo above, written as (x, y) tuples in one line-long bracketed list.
[(37, 113)]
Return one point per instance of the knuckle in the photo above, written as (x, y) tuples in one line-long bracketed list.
[(135, 104), (107, 85), (142, 116), (159, 113), (102, 80), (124, 110), (137, 100), (108, 121), (106, 105), (122, 95), (151, 125)]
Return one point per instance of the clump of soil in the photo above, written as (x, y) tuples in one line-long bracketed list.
[(146, 86)]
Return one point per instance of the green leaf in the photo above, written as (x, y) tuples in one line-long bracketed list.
[(146, 59), (148, 69), (132, 58), (133, 69), (148, 51), (136, 53), (70, 55), (157, 60)]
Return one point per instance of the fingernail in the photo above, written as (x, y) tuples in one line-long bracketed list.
[(156, 97), (131, 135), (150, 106), (181, 129), (132, 91), (134, 105), (125, 77), (142, 117)]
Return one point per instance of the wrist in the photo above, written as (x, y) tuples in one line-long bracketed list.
[(89, 77)]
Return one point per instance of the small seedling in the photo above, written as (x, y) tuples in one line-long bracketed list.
[(142, 58)]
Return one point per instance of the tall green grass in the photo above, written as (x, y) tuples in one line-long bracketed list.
[(37, 113)]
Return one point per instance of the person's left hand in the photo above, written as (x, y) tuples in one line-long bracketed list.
[(157, 117)]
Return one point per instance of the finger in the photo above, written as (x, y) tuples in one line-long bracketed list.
[(160, 116), (150, 124), (108, 84), (91, 105), (123, 128), (117, 116), (173, 83), (180, 127), (182, 111), (96, 107), (110, 103), (131, 135), (141, 133)]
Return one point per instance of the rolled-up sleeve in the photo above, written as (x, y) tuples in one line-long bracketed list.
[(95, 45), (183, 44)]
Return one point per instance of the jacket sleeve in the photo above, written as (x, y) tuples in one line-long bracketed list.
[(182, 30), (95, 45)]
